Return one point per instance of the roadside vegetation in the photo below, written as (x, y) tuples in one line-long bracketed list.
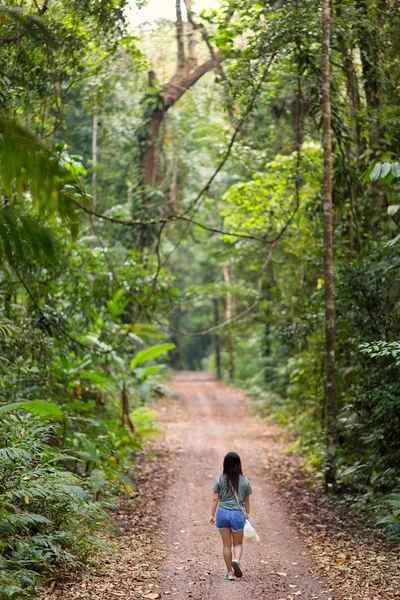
[(162, 191)]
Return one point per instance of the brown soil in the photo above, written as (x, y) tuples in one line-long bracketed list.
[(309, 549)]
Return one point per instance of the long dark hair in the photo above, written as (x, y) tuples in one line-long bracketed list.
[(232, 470)]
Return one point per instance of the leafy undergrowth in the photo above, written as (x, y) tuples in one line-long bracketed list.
[(366, 563), (380, 509), (47, 515), (130, 570), (56, 504)]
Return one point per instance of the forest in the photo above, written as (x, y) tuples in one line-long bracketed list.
[(215, 191)]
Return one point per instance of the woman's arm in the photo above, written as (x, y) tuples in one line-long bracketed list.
[(247, 505), (214, 506)]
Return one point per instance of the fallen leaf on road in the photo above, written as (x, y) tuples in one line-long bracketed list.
[(152, 596)]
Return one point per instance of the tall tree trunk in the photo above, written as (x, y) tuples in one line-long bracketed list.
[(191, 40), (353, 92), (149, 153), (217, 341), (228, 317), (369, 63), (369, 54), (354, 158), (330, 471), (94, 149)]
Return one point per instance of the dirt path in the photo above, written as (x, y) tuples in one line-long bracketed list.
[(214, 420), (310, 548)]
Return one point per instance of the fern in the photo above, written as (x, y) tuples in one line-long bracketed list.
[(8, 456), (13, 522), (30, 171), (46, 516)]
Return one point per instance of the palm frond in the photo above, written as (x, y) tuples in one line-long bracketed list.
[(23, 236), (13, 522), (30, 171)]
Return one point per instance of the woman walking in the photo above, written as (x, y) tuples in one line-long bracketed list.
[(230, 503)]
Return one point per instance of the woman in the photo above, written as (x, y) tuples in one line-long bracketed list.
[(231, 494)]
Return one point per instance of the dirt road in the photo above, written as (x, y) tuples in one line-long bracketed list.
[(213, 419), (310, 548)]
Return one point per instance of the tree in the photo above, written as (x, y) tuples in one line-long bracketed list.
[(330, 473), (187, 73)]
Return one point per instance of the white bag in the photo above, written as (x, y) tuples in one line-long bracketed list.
[(250, 532)]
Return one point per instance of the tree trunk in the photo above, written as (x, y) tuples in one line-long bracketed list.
[(217, 341), (149, 153), (125, 409), (353, 93), (369, 54), (330, 472), (94, 150), (228, 317), (354, 158), (369, 64), (187, 73), (171, 207)]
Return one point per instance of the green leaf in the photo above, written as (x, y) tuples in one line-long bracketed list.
[(150, 353), (125, 480), (98, 479), (41, 408), (393, 209), (365, 178), (385, 170), (144, 373), (396, 169), (392, 242), (101, 377), (91, 450), (375, 172)]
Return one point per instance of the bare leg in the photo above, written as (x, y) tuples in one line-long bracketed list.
[(237, 544), (227, 547)]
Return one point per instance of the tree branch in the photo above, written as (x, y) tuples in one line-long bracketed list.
[(204, 34), (136, 223), (178, 85)]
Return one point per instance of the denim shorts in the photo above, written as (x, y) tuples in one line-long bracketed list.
[(230, 519)]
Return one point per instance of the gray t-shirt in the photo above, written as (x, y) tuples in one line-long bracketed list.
[(226, 496)]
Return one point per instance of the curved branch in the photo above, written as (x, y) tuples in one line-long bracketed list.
[(172, 218), (178, 85)]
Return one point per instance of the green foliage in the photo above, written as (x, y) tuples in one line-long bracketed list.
[(46, 514), (36, 407), (150, 353), (144, 421), (30, 170), (83, 320), (387, 171), (76, 301), (29, 24)]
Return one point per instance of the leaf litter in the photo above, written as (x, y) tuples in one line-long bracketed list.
[(353, 561)]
